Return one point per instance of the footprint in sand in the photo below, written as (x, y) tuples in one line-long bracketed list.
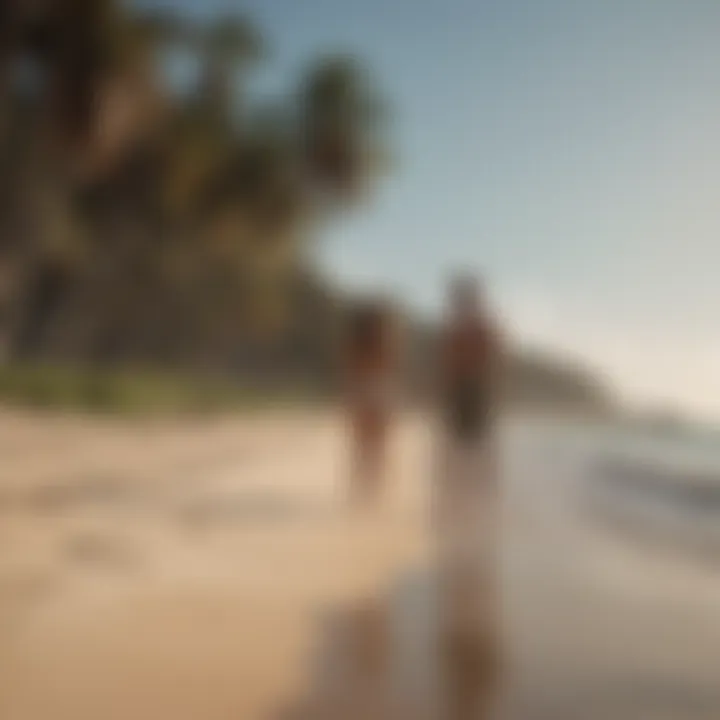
[(20, 592), (80, 492), (100, 550), (221, 510)]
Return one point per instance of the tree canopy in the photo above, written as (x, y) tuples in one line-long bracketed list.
[(137, 220)]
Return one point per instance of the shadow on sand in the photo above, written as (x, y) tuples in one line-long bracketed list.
[(394, 658)]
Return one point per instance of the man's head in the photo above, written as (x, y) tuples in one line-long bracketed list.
[(465, 296)]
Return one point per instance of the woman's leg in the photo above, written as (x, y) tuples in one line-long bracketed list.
[(368, 456), (374, 454)]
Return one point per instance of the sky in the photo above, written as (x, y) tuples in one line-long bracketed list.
[(567, 150)]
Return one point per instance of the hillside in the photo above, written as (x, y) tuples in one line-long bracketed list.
[(533, 379), (144, 224)]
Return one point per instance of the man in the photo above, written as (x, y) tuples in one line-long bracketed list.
[(466, 487), (469, 375)]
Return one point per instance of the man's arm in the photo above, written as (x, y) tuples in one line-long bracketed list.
[(497, 365), (439, 368)]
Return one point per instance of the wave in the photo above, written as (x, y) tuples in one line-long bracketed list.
[(662, 503)]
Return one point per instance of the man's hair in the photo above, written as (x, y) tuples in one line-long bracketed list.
[(464, 285)]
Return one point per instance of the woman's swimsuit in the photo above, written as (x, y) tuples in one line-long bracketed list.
[(374, 393)]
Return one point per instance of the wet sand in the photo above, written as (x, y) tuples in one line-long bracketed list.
[(210, 570), (176, 570)]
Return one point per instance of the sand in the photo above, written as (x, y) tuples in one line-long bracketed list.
[(210, 569), (180, 569)]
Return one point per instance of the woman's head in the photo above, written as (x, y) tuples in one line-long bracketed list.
[(371, 326)]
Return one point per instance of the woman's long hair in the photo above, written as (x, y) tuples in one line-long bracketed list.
[(370, 330)]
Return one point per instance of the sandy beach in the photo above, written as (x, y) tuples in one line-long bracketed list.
[(210, 569), (176, 569)]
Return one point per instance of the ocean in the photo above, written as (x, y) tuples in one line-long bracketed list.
[(612, 572)]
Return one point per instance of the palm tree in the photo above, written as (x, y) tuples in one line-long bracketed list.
[(342, 117), (178, 200), (226, 48)]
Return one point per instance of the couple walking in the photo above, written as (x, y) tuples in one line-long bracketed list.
[(466, 380), (466, 386)]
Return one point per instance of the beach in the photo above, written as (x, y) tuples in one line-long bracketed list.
[(212, 569)]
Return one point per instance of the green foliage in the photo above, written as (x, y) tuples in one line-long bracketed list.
[(183, 213), (343, 123), (231, 39), (134, 390)]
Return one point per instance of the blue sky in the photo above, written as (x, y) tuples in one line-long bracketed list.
[(567, 149)]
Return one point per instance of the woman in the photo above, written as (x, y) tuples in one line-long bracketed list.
[(370, 384)]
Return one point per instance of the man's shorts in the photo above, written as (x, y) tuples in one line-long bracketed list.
[(467, 411)]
